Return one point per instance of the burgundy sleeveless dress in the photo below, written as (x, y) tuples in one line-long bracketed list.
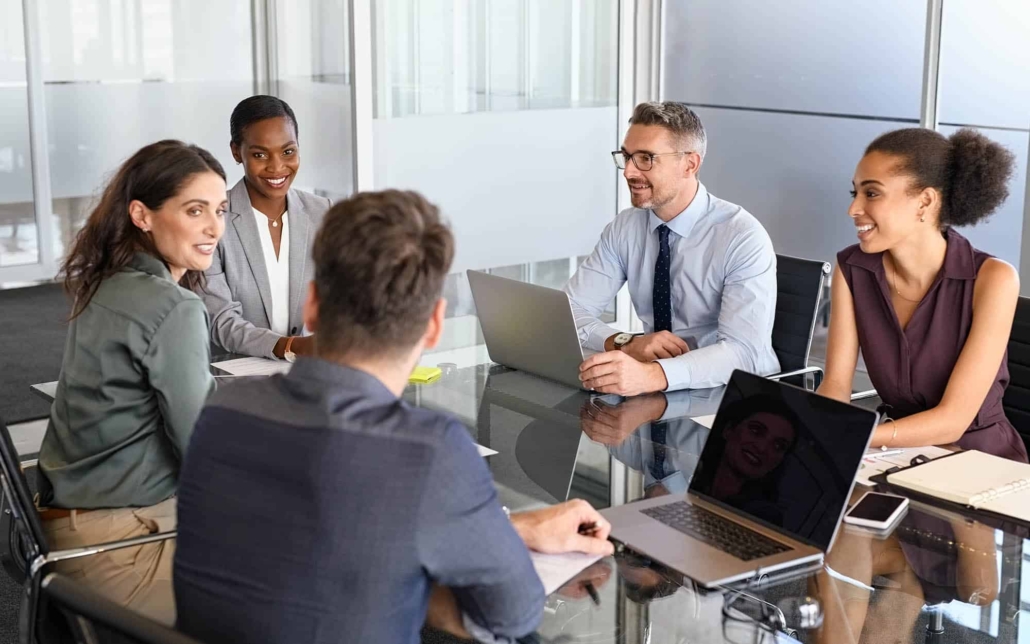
[(910, 369)]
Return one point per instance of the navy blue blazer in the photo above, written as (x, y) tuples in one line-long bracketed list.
[(317, 507)]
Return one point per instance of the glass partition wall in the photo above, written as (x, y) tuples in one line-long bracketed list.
[(791, 94), (502, 112), (19, 229), (84, 84)]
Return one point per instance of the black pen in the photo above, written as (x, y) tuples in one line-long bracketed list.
[(592, 592)]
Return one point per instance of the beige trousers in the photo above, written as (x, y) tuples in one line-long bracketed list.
[(139, 577)]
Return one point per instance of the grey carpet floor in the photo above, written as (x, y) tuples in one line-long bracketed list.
[(10, 600), (33, 324)]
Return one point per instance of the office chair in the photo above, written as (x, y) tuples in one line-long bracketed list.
[(28, 546), (90, 618), (799, 290), (1017, 396)]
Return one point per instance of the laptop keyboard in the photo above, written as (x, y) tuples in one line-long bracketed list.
[(741, 542)]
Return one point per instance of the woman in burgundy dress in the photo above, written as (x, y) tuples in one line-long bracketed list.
[(931, 314)]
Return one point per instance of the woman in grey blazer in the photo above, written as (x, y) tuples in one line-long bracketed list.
[(261, 270)]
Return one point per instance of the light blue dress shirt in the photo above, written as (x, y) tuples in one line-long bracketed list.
[(723, 289), (684, 439)]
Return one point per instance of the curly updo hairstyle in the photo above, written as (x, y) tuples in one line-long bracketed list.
[(970, 171)]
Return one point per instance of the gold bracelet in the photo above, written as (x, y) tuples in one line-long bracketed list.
[(883, 448)]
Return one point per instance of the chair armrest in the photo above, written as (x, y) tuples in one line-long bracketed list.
[(862, 395), (796, 372), (73, 553), (817, 371)]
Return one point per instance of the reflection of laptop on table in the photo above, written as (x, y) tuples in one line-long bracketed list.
[(770, 488), (528, 327)]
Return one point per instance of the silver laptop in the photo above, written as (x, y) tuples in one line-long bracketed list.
[(528, 327), (769, 491)]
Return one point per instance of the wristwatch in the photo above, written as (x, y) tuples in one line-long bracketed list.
[(623, 339), (288, 355)]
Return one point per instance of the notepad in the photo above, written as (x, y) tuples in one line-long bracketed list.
[(424, 375), (974, 479)]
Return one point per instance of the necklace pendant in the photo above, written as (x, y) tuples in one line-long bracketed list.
[(275, 224)]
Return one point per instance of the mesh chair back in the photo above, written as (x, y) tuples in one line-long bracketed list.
[(1017, 395), (91, 618), (19, 497), (799, 289)]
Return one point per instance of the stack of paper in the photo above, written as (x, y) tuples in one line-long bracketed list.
[(253, 366)]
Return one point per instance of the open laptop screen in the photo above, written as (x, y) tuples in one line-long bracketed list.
[(783, 456)]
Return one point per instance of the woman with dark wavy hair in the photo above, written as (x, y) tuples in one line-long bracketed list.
[(135, 373), (931, 314)]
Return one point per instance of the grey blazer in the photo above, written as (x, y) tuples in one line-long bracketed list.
[(238, 294)]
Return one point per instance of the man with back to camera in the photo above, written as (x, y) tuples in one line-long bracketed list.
[(701, 271), (319, 507)]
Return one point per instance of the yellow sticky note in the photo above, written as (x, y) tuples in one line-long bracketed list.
[(424, 375)]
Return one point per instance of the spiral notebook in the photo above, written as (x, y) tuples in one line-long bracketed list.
[(973, 479)]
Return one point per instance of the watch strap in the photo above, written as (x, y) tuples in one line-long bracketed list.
[(289, 344)]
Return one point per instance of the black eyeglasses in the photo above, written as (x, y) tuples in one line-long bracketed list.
[(643, 160)]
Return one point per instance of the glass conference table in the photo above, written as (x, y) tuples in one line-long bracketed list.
[(940, 577)]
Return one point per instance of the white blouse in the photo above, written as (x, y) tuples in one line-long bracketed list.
[(278, 271)]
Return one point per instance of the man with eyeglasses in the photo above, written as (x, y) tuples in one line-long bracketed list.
[(701, 271)]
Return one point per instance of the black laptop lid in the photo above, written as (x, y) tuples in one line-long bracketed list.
[(784, 457)]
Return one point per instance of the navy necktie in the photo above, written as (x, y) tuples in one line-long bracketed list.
[(662, 303), (658, 445), (662, 299)]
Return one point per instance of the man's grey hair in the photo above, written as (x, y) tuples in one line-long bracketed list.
[(679, 119)]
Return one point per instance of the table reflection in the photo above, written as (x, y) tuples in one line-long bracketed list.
[(875, 589)]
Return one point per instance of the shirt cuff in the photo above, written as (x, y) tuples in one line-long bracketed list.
[(677, 372), (268, 345), (598, 335)]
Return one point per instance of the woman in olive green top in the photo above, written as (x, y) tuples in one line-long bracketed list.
[(136, 369)]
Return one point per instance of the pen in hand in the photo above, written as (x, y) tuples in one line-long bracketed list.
[(589, 529)]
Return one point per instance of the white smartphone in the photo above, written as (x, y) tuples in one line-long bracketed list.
[(877, 511)]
